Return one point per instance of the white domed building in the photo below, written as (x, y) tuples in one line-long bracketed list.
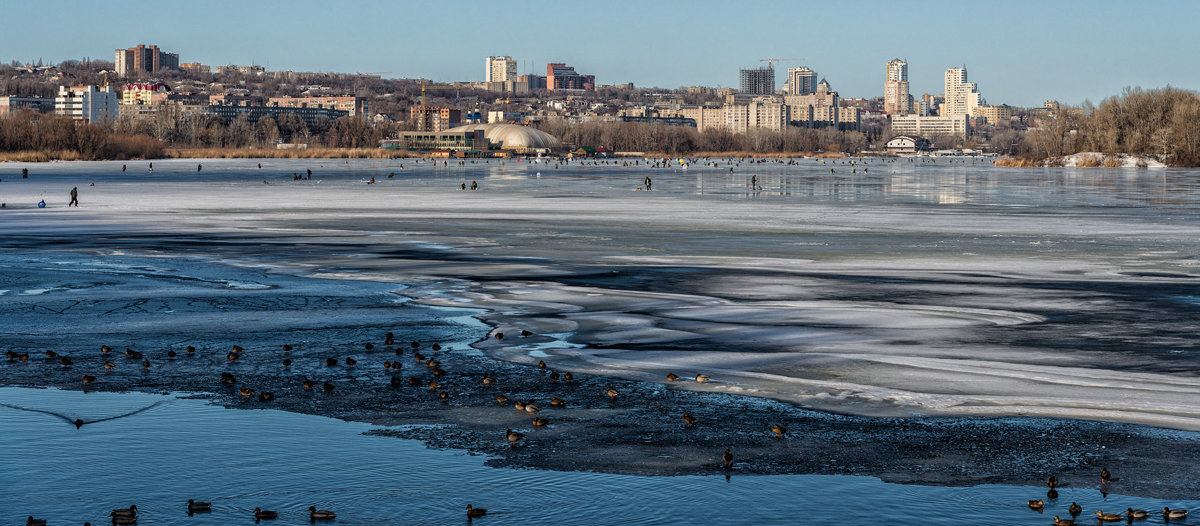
[(515, 138)]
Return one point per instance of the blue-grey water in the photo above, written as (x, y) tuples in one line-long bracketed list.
[(243, 459)]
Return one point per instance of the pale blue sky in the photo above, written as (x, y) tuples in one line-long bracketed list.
[(1021, 52)]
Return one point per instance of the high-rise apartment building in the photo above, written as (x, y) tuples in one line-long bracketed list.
[(500, 69), (961, 96), (88, 103), (896, 98), (757, 81), (561, 76), (801, 81), (144, 59)]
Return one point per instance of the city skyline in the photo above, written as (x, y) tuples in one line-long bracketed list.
[(1027, 53)]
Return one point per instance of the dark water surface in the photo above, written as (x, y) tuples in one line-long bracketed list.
[(243, 459)]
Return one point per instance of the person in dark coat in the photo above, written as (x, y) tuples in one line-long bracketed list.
[(74, 196)]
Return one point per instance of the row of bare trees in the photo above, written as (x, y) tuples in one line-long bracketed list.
[(29, 131), (661, 138)]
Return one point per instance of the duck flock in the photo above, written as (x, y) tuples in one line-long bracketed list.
[(1074, 510)]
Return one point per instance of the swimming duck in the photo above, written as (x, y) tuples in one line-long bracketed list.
[(474, 513), (499, 336), (1169, 513), (432, 363), (671, 377), (531, 408), (701, 378), (519, 405), (246, 391), (331, 362), (612, 393), (51, 354), (727, 457), (436, 347), (171, 353), (232, 356), (389, 339), (513, 436), (260, 513), (287, 348), (525, 333), (131, 511), (350, 361), (554, 376), (35, 522), (1136, 514), (567, 376), (1052, 481), (87, 379), (488, 381), (1063, 522), (541, 364), (501, 399), (540, 422), (419, 357), (194, 506), (266, 396), (414, 381), (308, 384), (434, 385), (415, 345), (228, 379), (237, 348), (439, 372), (132, 354), (444, 396), (145, 364), (189, 349), (320, 515), (1105, 476), (369, 346), (78, 423), (689, 420), (558, 402), (287, 362), (105, 349), (1075, 509), (396, 381), (1108, 517), (1038, 505), (328, 387), (778, 430)]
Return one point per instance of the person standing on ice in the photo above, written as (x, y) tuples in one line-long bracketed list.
[(198, 167), (74, 196)]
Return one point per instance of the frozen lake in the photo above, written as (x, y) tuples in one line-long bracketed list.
[(878, 288)]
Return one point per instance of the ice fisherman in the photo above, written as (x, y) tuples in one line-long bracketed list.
[(74, 196)]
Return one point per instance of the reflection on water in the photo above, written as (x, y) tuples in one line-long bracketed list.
[(242, 459)]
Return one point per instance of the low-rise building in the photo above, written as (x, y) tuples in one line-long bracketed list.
[(254, 113), (993, 114), (11, 105), (460, 140), (354, 106), (931, 126), (907, 144), (144, 93), (87, 103)]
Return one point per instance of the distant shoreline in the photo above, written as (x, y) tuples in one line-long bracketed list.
[(44, 156)]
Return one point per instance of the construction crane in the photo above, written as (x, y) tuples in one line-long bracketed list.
[(771, 61)]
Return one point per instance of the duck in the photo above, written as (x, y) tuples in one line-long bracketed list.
[(87, 379), (328, 387), (1136, 514), (531, 408), (727, 457), (778, 430), (389, 339), (671, 377), (474, 513), (171, 353), (432, 363), (519, 405), (287, 362), (287, 348), (246, 391), (1075, 509), (51, 354), (488, 381), (689, 420), (419, 357), (439, 372), (266, 396), (105, 349), (541, 364), (260, 514), (525, 333), (499, 336), (232, 356), (237, 348), (540, 422), (132, 354), (1063, 522), (414, 345), (444, 396), (513, 436), (308, 384), (109, 365), (331, 362), (1105, 476), (1169, 513), (701, 378), (35, 522), (612, 393), (78, 423), (396, 381), (1108, 517), (554, 376), (369, 346), (1052, 481), (434, 385), (558, 402), (436, 347), (194, 506), (228, 379), (414, 381), (131, 511), (320, 515), (190, 349), (501, 399), (1037, 504), (145, 364), (567, 376), (350, 361)]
